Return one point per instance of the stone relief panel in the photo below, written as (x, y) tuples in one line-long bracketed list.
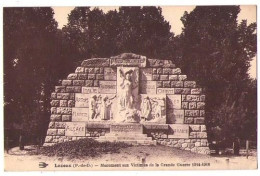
[(153, 108), (102, 107)]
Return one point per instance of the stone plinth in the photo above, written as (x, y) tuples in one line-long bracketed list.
[(126, 128), (128, 133)]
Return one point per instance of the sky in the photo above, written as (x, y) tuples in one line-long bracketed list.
[(173, 15)]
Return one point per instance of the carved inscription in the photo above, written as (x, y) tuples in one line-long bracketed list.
[(89, 90), (179, 131), (81, 100), (165, 90), (107, 87), (80, 114), (128, 62), (126, 128), (75, 129)]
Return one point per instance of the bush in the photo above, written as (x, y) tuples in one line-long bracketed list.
[(82, 148)]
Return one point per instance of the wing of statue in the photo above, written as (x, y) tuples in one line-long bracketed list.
[(122, 75), (135, 79)]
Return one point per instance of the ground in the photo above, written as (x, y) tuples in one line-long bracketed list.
[(131, 158)]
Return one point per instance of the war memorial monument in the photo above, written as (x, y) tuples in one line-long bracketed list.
[(129, 98)]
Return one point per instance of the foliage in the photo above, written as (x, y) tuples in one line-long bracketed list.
[(82, 148), (216, 51), (31, 54), (141, 30)]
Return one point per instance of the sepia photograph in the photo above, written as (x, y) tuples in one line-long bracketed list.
[(138, 88)]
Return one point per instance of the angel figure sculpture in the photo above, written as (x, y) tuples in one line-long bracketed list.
[(126, 100)]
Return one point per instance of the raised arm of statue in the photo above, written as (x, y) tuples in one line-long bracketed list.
[(112, 97)]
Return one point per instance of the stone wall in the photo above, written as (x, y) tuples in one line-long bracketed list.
[(185, 102), (195, 142)]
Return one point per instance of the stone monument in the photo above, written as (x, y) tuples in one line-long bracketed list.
[(129, 98)]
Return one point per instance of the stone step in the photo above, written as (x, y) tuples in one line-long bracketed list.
[(106, 140), (133, 138), (133, 142), (127, 134), (124, 138)]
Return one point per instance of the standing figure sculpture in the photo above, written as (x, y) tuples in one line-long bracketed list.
[(145, 109), (126, 100), (108, 114), (100, 108), (93, 107)]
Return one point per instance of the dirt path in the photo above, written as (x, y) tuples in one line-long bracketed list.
[(131, 158)]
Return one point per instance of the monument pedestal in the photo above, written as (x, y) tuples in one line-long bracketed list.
[(128, 133)]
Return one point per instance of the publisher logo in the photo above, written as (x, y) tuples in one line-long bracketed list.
[(42, 164)]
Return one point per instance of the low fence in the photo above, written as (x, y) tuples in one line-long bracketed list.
[(240, 147), (14, 138)]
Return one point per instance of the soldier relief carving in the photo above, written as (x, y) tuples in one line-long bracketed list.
[(146, 109), (152, 108), (100, 107)]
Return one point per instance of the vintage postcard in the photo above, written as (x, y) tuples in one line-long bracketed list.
[(130, 88)]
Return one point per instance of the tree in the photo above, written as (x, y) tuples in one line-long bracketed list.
[(141, 30), (216, 52), (31, 56)]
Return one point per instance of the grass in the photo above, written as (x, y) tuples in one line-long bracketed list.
[(82, 148)]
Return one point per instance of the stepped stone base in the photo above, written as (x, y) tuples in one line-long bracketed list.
[(127, 133), (134, 138)]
